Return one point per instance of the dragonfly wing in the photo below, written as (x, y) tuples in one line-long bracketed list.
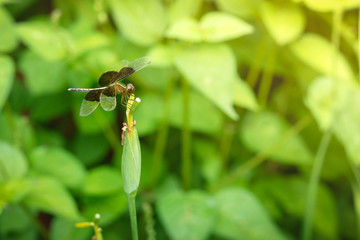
[(87, 107), (90, 102), (133, 67), (140, 63), (107, 78), (108, 98)]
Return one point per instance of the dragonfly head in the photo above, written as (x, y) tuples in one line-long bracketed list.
[(130, 88)]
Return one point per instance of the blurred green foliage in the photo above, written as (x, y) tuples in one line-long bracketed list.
[(234, 106)]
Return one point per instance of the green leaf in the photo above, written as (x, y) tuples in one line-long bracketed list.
[(284, 21), (188, 215), (210, 158), (261, 131), (13, 164), (221, 26), (322, 99), (14, 219), (210, 69), (90, 149), (40, 110), (131, 162), (241, 8), (243, 96), (109, 207), (102, 181), (186, 29), (241, 216), (8, 40), (38, 73), (7, 72), (94, 123), (14, 190), (213, 27), (50, 42), (318, 53), (331, 5), (50, 196), (62, 228), (143, 21), (183, 9), (334, 103), (204, 117), (287, 194), (347, 127), (161, 56), (60, 164)]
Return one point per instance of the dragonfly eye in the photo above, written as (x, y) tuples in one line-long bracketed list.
[(130, 88)]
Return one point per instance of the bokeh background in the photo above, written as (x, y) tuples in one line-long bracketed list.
[(249, 122)]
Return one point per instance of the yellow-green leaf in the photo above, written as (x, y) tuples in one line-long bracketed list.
[(318, 53), (284, 21), (210, 69)]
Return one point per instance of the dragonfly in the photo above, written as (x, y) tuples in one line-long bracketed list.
[(110, 86)]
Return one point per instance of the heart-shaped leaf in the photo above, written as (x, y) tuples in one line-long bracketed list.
[(260, 131), (241, 216), (187, 216), (284, 21), (210, 69)]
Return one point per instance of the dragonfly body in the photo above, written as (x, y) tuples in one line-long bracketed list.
[(110, 86)]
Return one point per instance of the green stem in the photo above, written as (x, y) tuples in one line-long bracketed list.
[(266, 80), (358, 51), (97, 229), (162, 135), (149, 221), (132, 211), (186, 138), (313, 185), (225, 144), (255, 69)]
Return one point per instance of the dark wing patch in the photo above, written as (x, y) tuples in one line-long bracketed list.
[(124, 73), (109, 91), (93, 95), (107, 78)]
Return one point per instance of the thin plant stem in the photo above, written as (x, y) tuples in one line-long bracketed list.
[(358, 51), (186, 138), (133, 219), (356, 199), (96, 227), (149, 221), (262, 156), (255, 69), (314, 183), (225, 145), (162, 135), (266, 80), (320, 155)]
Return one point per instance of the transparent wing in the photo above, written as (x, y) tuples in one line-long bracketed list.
[(108, 99), (133, 67), (140, 63), (87, 107), (90, 102), (116, 67)]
